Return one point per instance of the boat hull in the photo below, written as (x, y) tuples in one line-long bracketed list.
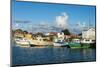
[(59, 45), (22, 42), (82, 45), (26, 44), (40, 43), (88, 45), (74, 45)]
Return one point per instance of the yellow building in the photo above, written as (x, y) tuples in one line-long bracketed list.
[(18, 33), (28, 36)]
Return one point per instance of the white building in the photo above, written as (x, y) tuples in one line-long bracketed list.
[(60, 35), (89, 34)]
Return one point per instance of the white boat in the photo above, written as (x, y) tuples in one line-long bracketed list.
[(76, 41), (60, 43), (22, 41)]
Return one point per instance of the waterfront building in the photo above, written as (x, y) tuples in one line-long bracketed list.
[(67, 36), (88, 34), (51, 33), (61, 35), (28, 36)]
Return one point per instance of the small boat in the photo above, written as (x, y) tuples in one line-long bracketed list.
[(22, 41), (60, 43)]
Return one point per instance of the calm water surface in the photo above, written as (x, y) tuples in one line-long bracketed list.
[(45, 55)]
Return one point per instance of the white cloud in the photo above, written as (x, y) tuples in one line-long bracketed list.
[(16, 25), (77, 28), (81, 25), (62, 20)]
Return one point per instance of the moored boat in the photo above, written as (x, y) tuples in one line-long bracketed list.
[(75, 43), (22, 42), (60, 43), (88, 43), (40, 43)]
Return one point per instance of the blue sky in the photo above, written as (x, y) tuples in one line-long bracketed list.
[(38, 13)]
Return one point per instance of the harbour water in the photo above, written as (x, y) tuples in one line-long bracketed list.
[(50, 55)]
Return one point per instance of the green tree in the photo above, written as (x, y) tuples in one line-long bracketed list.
[(66, 32)]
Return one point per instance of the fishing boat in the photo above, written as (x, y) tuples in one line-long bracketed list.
[(75, 43), (40, 41), (87, 43)]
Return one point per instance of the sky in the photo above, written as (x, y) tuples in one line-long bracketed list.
[(37, 17)]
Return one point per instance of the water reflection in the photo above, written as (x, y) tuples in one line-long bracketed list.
[(43, 55)]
